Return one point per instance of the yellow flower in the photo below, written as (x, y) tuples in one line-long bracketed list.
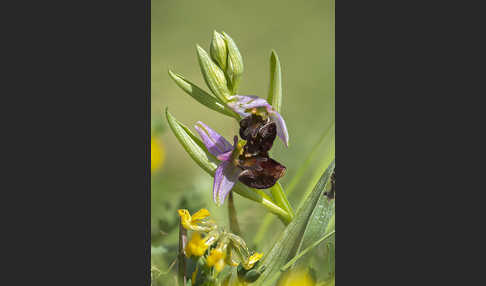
[(252, 260), (216, 259), (157, 154), (190, 222), (196, 246), (297, 277)]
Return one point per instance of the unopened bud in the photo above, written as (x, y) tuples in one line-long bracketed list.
[(219, 50), (234, 68), (213, 75)]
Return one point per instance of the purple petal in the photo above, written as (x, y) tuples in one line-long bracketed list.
[(225, 178), (215, 143), (226, 156), (244, 102), (282, 132)]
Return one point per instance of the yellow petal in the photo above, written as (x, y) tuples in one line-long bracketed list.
[(214, 257), (254, 259), (185, 218), (196, 246), (199, 215), (219, 265)]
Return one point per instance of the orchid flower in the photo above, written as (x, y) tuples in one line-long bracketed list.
[(242, 104), (227, 173)]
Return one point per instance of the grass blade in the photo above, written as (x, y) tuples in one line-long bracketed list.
[(284, 248)]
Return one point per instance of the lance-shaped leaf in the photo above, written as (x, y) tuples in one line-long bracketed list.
[(213, 75), (319, 228), (201, 96), (198, 152), (275, 90), (287, 243)]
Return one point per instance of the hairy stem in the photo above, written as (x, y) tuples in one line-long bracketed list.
[(234, 226), (181, 258)]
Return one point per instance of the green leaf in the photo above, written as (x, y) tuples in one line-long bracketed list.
[(213, 75), (193, 145), (321, 216), (306, 250), (201, 96), (286, 245), (275, 90), (197, 151)]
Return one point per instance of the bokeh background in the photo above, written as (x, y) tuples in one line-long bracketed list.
[(301, 32)]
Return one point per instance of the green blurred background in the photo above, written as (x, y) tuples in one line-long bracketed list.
[(301, 32)]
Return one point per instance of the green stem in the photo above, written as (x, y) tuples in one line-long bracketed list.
[(181, 258), (280, 198), (303, 252), (265, 201), (234, 226)]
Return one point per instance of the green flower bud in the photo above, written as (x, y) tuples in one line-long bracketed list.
[(234, 68), (213, 75), (219, 50)]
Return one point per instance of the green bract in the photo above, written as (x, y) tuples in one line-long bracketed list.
[(201, 96), (213, 75), (275, 90)]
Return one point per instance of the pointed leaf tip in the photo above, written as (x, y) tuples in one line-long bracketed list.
[(275, 89)]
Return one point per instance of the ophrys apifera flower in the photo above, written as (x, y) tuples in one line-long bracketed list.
[(246, 105), (246, 161)]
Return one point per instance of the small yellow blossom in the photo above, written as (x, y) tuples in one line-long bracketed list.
[(190, 222), (216, 259), (252, 260), (196, 246), (157, 154), (298, 277)]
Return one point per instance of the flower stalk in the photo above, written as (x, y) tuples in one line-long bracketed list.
[(181, 257), (234, 226)]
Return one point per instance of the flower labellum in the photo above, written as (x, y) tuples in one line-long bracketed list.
[(245, 105), (260, 171)]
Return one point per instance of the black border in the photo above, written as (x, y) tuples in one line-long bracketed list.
[(76, 191)]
